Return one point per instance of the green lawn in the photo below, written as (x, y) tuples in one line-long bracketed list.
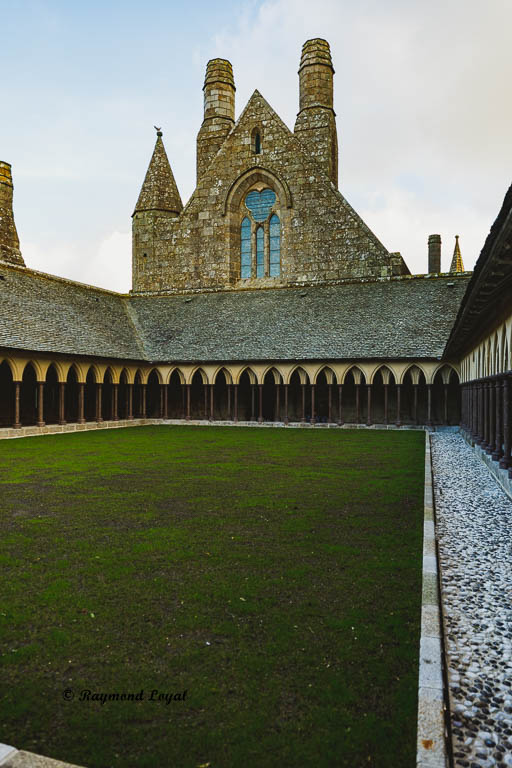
[(274, 575)]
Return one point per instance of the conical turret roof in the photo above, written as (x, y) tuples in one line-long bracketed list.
[(159, 191), (457, 263)]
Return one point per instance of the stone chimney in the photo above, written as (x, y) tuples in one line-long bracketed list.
[(316, 123), (219, 112), (9, 242), (434, 254)]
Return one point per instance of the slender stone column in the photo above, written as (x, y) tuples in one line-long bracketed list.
[(130, 402), (62, 401), (17, 422), (229, 402), (99, 417), (505, 462), (161, 410), (329, 403), (485, 391), (369, 405), (143, 388), (398, 392), (358, 405), (429, 405), (498, 443), (480, 429), (166, 401), (205, 392), (212, 402), (115, 402), (187, 416), (312, 420), (278, 404), (303, 419), (386, 403), (286, 403), (183, 401), (415, 404), (260, 403), (40, 404), (81, 403), (446, 404), (492, 419), (252, 401), (340, 402), (235, 390), (474, 411)]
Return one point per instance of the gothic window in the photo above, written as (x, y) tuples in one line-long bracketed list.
[(260, 236), (260, 253), (275, 247), (256, 141), (245, 248)]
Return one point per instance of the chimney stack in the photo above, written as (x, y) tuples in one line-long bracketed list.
[(9, 242), (219, 112), (434, 254), (316, 123)]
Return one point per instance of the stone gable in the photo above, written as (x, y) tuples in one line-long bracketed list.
[(322, 238)]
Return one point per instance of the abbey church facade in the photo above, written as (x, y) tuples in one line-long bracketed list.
[(265, 298)]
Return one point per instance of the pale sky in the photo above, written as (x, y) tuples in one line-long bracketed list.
[(422, 97)]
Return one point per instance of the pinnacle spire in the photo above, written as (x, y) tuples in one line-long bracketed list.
[(457, 263), (9, 242), (159, 191)]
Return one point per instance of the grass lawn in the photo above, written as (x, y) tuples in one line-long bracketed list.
[(274, 575)]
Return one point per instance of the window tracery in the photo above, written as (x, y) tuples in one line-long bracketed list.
[(260, 236)]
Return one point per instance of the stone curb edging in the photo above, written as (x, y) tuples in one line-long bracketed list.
[(10, 757), (431, 751), (8, 433)]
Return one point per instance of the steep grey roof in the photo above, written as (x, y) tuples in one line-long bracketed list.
[(42, 313), (397, 318), (406, 317)]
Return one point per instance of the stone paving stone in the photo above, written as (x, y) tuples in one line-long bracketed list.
[(475, 545)]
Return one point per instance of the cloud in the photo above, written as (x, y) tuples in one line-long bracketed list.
[(422, 112), (107, 265)]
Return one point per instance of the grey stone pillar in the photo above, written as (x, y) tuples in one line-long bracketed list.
[(62, 403), (40, 404), (99, 417), (17, 421), (498, 418), (505, 462), (81, 403)]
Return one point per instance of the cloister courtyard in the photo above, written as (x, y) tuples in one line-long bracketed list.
[(267, 582)]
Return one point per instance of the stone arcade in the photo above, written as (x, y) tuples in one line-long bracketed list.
[(265, 298)]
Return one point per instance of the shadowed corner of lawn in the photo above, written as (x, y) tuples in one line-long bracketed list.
[(273, 575)]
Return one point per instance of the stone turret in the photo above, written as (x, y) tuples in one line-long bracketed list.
[(158, 206), (457, 264), (219, 112), (316, 121), (9, 242)]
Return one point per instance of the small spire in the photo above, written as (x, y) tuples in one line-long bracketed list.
[(457, 263), (9, 242), (159, 191)]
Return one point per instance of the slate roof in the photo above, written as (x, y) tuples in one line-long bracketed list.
[(407, 317), (397, 318), (42, 313)]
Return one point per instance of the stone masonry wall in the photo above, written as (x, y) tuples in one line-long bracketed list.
[(322, 238)]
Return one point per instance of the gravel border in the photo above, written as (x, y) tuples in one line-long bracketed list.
[(475, 550)]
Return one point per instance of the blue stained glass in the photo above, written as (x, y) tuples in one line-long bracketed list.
[(245, 250), (260, 203), (260, 262), (275, 247)]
